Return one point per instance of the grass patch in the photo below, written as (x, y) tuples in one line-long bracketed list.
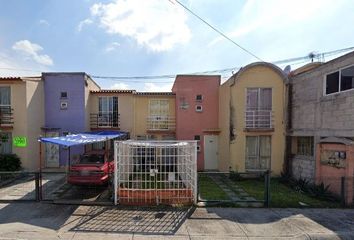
[(209, 190), (282, 195)]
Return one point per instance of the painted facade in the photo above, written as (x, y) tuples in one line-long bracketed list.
[(22, 116), (321, 107), (252, 119), (67, 101), (197, 110)]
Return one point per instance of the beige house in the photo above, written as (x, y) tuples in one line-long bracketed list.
[(144, 115), (252, 115), (21, 118)]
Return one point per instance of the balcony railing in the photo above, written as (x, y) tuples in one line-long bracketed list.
[(161, 123), (104, 120), (259, 119), (6, 116)]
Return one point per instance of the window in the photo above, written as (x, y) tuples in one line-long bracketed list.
[(63, 95), (198, 108), (199, 97), (197, 137), (98, 146), (5, 99), (5, 143), (108, 111), (340, 80), (258, 108), (159, 110), (258, 152), (304, 146)]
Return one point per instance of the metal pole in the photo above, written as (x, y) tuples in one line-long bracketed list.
[(267, 189), (342, 191), (40, 173)]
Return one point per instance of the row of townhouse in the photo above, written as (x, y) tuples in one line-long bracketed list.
[(260, 118)]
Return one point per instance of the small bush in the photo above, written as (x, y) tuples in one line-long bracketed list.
[(235, 176), (9, 162)]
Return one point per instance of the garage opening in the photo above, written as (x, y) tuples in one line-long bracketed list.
[(155, 172)]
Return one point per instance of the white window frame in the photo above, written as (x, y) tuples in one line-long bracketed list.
[(7, 105), (339, 82)]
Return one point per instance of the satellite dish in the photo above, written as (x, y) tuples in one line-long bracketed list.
[(287, 69)]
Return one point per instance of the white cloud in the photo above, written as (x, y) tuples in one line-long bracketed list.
[(31, 50), (84, 23), (112, 46), (277, 16), (153, 87), (155, 24), (43, 22), (9, 66), (120, 86)]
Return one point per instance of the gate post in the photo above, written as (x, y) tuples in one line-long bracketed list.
[(342, 191), (267, 189), (37, 186)]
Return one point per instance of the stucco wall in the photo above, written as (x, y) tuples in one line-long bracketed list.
[(257, 76), (141, 112), (90, 85), (189, 122), (73, 118), (35, 120)]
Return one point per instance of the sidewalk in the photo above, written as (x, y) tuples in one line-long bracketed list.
[(48, 221)]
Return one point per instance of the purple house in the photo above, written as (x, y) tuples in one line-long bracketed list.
[(66, 97)]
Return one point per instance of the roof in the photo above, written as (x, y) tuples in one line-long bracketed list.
[(236, 76), (305, 68), (71, 73), (10, 79), (83, 138), (195, 77), (155, 93), (339, 140), (112, 91), (132, 92)]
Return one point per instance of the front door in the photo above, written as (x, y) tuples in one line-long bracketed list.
[(210, 152), (51, 152)]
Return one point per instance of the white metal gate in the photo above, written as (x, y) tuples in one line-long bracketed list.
[(155, 172)]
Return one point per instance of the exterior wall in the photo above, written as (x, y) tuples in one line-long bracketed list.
[(27, 103), (331, 175), (125, 109), (90, 85), (73, 118), (233, 99), (141, 112), (35, 120), (189, 122), (317, 115), (224, 125)]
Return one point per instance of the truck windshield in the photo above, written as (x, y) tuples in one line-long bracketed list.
[(92, 159)]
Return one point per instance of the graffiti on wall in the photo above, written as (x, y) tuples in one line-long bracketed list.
[(333, 158)]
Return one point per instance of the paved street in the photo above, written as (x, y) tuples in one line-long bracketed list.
[(48, 221)]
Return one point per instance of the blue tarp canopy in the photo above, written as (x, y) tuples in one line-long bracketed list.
[(84, 138)]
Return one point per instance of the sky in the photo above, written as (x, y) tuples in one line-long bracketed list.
[(159, 37)]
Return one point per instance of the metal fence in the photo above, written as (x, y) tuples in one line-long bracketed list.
[(240, 189), (155, 172), (19, 186)]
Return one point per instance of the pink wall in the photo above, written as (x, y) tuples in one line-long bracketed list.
[(330, 175), (189, 122)]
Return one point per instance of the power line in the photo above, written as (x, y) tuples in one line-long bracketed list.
[(216, 30), (137, 79)]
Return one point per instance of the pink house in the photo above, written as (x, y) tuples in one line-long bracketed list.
[(197, 110)]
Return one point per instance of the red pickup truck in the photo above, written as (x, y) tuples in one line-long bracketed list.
[(93, 168)]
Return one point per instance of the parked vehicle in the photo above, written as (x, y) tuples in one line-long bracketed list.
[(93, 168)]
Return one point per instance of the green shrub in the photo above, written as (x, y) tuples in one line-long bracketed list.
[(9, 162)]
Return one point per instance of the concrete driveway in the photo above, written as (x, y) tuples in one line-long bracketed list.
[(49, 221)]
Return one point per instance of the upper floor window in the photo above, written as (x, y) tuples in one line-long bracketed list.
[(159, 107), (108, 111), (258, 112), (199, 97), (340, 80), (5, 96)]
